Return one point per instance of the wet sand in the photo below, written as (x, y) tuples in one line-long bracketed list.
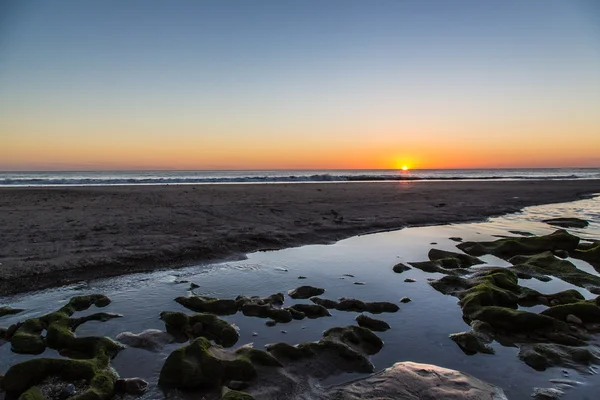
[(53, 236)]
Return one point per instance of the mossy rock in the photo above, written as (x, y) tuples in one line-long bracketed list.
[(97, 373), (33, 393), (209, 305), (276, 299), (258, 357), (586, 311), (311, 310), (541, 356), (267, 311), (371, 323), (547, 264), (201, 365), (591, 256), (471, 343), (229, 394), (517, 321), (305, 292), (400, 268), (450, 266), (451, 259), (510, 247), (9, 311), (375, 307), (327, 303), (359, 338), (567, 222), (213, 328)]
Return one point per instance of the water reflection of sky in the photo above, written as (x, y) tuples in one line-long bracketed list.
[(419, 330)]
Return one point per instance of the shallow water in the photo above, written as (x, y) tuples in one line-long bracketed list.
[(419, 330)]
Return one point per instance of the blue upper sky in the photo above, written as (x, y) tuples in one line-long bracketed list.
[(205, 73)]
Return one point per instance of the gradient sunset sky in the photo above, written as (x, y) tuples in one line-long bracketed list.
[(299, 84)]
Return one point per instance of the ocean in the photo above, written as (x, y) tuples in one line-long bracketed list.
[(88, 178)]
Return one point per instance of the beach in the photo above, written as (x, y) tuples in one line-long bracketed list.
[(55, 236)]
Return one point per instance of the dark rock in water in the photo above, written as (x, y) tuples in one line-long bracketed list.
[(522, 233), (9, 311), (359, 283), (586, 311), (405, 300), (134, 386), (358, 338), (212, 327), (561, 253), (456, 239), (208, 305), (301, 277), (547, 394), (349, 275), (194, 286), (471, 343), (201, 365), (311, 310), (408, 380), (591, 256), (327, 303), (567, 222), (432, 243), (375, 307), (541, 356), (547, 264), (450, 266), (238, 385), (297, 315), (268, 307), (410, 280), (399, 268), (67, 391), (257, 357), (371, 323), (464, 260), (507, 248), (572, 319), (150, 339), (229, 394), (271, 323), (304, 292)]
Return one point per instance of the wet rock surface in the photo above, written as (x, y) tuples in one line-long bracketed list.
[(567, 222), (150, 339), (305, 292)]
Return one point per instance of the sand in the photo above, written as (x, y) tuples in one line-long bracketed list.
[(55, 236)]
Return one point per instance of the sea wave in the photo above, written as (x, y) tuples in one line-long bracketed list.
[(274, 179)]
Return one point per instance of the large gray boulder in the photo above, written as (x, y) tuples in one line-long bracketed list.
[(413, 381)]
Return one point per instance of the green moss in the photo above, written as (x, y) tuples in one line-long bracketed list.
[(33, 393), (198, 366), (510, 247), (356, 337), (213, 328), (311, 310), (515, 321), (547, 264), (267, 311), (209, 305), (451, 259), (586, 311), (258, 357), (229, 394), (9, 311), (27, 339), (285, 351), (591, 255)]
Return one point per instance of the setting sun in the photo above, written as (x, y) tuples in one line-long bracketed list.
[(404, 168)]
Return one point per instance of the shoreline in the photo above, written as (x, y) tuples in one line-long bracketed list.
[(60, 235)]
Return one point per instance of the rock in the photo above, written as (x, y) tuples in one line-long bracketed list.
[(410, 280), (324, 302), (254, 334), (561, 253), (449, 266), (456, 239), (283, 331), (522, 233), (150, 339), (311, 310), (67, 391), (572, 319), (194, 286), (201, 365), (301, 277), (591, 256), (358, 338), (238, 385), (471, 343), (9, 311), (405, 300), (567, 222), (134, 386), (541, 356), (271, 323), (375, 307), (586, 311), (371, 323), (304, 292), (211, 327), (229, 394), (464, 260), (399, 268), (547, 393), (408, 380), (510, 247), (359, 283), (348, 275), (208, 305), (269, 307)]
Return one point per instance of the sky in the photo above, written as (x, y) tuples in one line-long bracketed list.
[(312, 84)]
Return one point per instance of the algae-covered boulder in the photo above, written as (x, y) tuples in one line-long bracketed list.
[(515, 321), (450, 266), (305, 292), (269, 307), (510, 247), (257, 357), (311, 310), (207, 325), (462, 260), (133, 386), (229, 394), (472, 343), (358, 338), (586, 311), (590, 255), (547, 264), (374, 307), (9, 311), (567, 222), (209, 305), (327, 303), (201, 365), (371, 323), (150, 339), (541, 356)]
